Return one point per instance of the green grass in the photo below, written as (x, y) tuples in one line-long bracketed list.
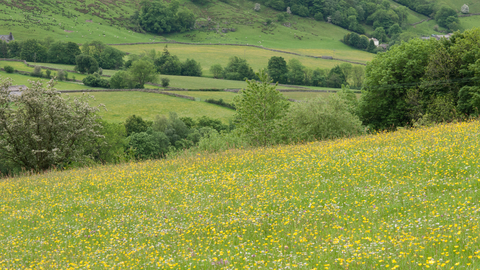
[(19, 79), (228, 96), (470, 22), (209, 55), (121, 105), (402, 200)]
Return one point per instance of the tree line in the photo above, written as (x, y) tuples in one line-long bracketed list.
[(43, 129), (423, 81)]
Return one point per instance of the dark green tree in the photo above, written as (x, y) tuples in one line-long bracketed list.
[(86, 64), (136, 124), (277, 69), (443, 16), (33, 51), (296, 74), (191, 68), (238, 69)]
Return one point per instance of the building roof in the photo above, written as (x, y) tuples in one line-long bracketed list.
[(7, 38)]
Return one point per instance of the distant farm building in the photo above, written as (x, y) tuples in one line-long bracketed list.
[(7, 38), (375, 41)]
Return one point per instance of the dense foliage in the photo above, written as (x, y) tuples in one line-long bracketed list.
[(423, 80), (347, 14), (41, 128), (159, 18)]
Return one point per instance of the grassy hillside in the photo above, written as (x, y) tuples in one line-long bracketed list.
[(404, 200), (121, 105)]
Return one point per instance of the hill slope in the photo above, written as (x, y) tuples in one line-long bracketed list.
[(402, 200)]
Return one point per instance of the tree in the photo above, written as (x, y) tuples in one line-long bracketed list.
[(358, 73), (238, 69), (191, 68), (122, 80), (371, 47), (136, 124), (216, 70), (149, 144), (168, 64), (380, 34), (446, 16), (33, 51), (347, 69), (296, 73), (260, 107), (142, 71), (277, 69), (388, 79), (42, 128), (336, 78), (86, 64), (394, 30)]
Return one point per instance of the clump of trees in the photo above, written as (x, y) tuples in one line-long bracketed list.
[(265, 117), (159, 18), (423, 81), (297, 74)]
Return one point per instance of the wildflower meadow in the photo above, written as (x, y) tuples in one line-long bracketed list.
[(402, 200)]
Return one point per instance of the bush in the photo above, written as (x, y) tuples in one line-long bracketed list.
[(61, 75), (48, 73), (165, 82), (96, 81), (9, 69), (321, 118), (220, 102), (318, 16), (63, 127), (37, 72), (191, 68), (217, 71)]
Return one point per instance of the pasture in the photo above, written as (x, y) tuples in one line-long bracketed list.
[(257, 58), (18, 79), (403, 200), (120, 105)]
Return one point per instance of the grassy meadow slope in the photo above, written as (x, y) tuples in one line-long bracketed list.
[(406, 200), (121, 105)]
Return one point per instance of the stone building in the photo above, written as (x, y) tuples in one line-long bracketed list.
[(7, 38)]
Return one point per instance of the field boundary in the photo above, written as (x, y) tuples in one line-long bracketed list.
[(244, 45)]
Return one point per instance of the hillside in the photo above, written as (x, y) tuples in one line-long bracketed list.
[(405, 200)]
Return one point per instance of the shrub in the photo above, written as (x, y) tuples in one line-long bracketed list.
[(318, 16), (63, 127), (165, 82), (220, 102), (48, 73), (96, 81), (9, 69), (61, 75), (321, 118), (37, 72), (216, 70)]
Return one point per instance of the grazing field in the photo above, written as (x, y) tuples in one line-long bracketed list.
[(121, 105), (402, 200), (19, 79), (257, 58), (228, 96)]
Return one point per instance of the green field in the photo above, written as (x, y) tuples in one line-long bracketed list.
[(257, 58), (121, 105), (402, 200), (228, 96), (19, 79)]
